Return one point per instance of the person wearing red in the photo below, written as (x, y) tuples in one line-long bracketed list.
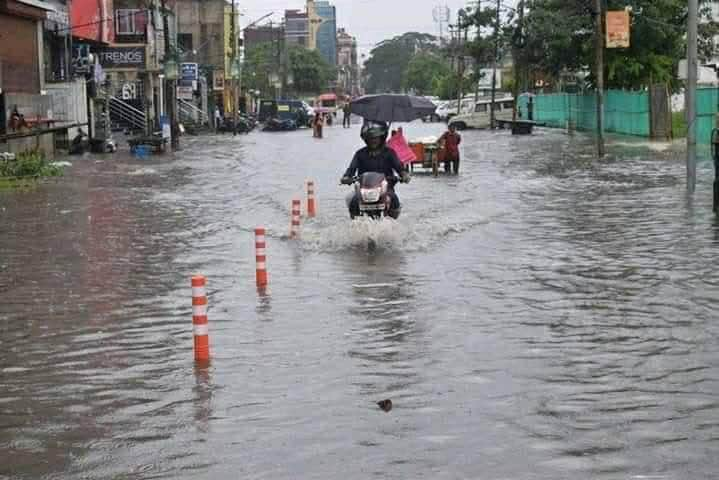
[(451, 140)]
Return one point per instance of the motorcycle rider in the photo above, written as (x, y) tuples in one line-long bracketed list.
[(375, 157)]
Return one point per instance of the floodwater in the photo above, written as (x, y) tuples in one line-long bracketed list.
[(542, 316)]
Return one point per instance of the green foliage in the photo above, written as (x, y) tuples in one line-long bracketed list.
[(558, 36), (447, 87), (310, 72), (388, 62), (679, 124), (424, 72), (29, 164), (258, 63)]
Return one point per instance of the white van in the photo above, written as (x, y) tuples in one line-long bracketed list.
[(480, 117), (449, 108)]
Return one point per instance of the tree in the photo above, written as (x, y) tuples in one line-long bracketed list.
[(310, 71), (423, 73), (259, 62), (558, 36), (388, 61)]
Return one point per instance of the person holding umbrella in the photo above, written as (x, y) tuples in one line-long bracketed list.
[(375, 157)]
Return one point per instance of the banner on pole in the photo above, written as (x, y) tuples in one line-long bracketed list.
[(618, 29)]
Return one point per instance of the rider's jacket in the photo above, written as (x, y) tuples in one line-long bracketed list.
[(383, 160)]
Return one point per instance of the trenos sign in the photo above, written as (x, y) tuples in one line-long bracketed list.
[(122, 57)]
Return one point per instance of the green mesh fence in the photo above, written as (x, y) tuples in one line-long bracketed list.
[(706, 113), (624, 112)]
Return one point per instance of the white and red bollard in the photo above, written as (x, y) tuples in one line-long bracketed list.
[(311, 202), (295, 226), (199, 319), (261, 257)]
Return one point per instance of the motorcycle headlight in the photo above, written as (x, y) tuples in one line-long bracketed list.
[(370, 195)]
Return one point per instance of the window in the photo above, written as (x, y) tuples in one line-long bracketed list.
[(130, 22), (508, 105), (480, 108), (185, 41), (496, 107)]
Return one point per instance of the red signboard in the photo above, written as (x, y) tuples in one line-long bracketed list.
[(93, 20)]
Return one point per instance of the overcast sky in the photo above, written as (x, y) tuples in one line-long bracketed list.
[(371, 21)]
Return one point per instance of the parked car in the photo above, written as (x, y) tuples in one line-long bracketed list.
[(435, 116), (480, 117), (447, 110)]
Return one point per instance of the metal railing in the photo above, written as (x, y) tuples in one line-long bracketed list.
[(190, 113), (122, 111)]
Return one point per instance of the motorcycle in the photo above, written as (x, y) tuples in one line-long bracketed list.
[(277, 125), (373, 189), (244, 125)]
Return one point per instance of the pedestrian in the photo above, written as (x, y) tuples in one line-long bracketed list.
[(451, 140), (329, 119), (346, 119), (317, 125), (218, 118)]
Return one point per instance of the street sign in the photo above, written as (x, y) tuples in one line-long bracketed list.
[(188, 72), (618, 29), (184, 93)]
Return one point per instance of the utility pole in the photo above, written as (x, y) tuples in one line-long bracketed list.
[(234, 68), (599, 34), (494, 66), (691, 96), (461, 23), (171, 85), (518, 45)]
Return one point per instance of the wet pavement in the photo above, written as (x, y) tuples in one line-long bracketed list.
[(544, 315)]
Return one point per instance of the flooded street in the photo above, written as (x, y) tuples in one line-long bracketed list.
[(543, 315)]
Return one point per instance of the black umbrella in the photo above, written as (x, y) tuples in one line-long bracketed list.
[(392, 108)]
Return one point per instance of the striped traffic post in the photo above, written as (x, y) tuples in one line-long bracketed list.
[(311, 204), (199, 319), (296, 212), (261, 256)]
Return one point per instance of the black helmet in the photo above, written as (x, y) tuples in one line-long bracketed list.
[(372, 129)]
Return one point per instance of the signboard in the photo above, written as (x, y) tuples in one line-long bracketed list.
[(122, 57), (188, 72), (218, 80), (618, 29), (485, 79), (81, 58), (184, 93)]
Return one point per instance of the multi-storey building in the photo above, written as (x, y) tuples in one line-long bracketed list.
[(297, 30)]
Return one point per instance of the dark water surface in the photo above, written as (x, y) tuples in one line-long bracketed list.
[(543, 315)]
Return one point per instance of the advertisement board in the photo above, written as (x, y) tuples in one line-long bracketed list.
[(618, 29), (122, 57)]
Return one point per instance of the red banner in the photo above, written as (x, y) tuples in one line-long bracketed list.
[(93, 20)]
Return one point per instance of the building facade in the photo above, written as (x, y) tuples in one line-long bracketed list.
[(265, 34), (327, 32), (322, 22), (205, 37), (347, 66), (297, 29)]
